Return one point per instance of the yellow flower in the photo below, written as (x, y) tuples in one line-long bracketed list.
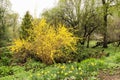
[(54, 75), (69, 61), (66, 74), (70, 71), (31, 75), (48, 71), (38, 74), (80, 73), (61, 71), (42, 72), (79, 68), (72, 67), (63, 67), (92, 64), (76, 73)]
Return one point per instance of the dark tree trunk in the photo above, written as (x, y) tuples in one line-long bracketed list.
[(118, 44), (83, 41), (88, 41), (105, 41), (105, 6), (108, 42), (84, 36)]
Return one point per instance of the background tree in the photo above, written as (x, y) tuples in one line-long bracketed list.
[(90, 20), (77, 14), (5, 7), (26, 25), (107, 8), (52, 16), (13, 23), (105, 14)]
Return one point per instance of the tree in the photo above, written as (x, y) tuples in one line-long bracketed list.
[(5, 7), (105, 11), (84, 17), (64, 13), (52, 16), (80, 15), (109, 11), (90, 20), (114, 23), (107, 5), (26, 25), (12, 22)]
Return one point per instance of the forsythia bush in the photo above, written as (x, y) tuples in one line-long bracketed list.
[(46, 41)]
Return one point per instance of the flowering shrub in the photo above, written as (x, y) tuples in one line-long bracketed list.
[(18, 44), (46, 41)]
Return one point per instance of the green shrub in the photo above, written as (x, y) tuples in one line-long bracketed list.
[(3, 43), (21, 56), (64, 58), (17, 69), (117, 58), (34, 65), (5, 57), (85, 53), (4, 71)]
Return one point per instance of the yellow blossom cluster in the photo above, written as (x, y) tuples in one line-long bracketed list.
[(19, 44), (45, 40)]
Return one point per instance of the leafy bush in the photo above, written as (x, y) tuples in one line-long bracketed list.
[(5, 57), (33, 65), (17, 69), (86, 53), (4, 71), (3, 43), (117, 58), (46, 41)]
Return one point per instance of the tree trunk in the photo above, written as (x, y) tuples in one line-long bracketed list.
[(108, 42), (118, 44), (105, 41), (88, 41), (105, 7)]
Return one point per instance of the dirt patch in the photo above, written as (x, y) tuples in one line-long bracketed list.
[(108, 75)]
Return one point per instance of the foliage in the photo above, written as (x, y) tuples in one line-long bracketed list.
[(84, 19), (5, 57), (26, 25), (34, 65), (85, 53), (117, 58), (4, 8), (87, 69), (4, 71), (46, 42), (20, 49), (8, 22), (3, 43)]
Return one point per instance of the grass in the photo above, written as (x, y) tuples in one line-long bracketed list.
[(87, 69)]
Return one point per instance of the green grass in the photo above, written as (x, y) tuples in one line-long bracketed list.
[(87, 69)]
